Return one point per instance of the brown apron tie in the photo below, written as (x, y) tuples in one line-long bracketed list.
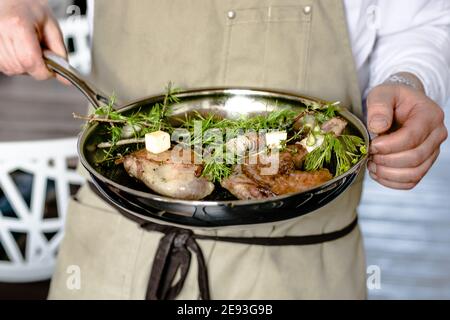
[(174, 253)]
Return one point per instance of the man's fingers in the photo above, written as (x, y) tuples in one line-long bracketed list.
[(403, 175), (54, 41), (25, 26), (391, 184), (401, 158), (7, 66), (53, 38), (380, 109), (29, 53), (9, 53), (415, 157), (413, 132)]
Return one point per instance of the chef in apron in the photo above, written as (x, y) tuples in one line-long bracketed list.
[(291, 45)]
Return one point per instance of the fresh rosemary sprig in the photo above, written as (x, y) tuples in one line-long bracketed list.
[(215, 168), (342, 152), (275, 120), (131, 129), (322, 113)]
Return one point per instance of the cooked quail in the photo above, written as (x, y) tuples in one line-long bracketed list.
[(165, 177), (250, 181)]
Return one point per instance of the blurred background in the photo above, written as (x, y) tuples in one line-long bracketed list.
[(406, 233)]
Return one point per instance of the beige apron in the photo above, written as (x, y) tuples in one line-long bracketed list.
[(295, 45)]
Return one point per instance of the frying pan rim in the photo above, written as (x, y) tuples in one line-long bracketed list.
[(355, 121)]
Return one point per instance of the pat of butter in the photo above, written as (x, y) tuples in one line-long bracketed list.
[(318, 142), (157, 142), (273, 139)]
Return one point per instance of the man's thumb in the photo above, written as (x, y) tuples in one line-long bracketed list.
[(380, 109)]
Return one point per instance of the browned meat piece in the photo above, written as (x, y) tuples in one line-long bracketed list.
[(286, 181), (162, 175), (298, 154), (249, 184), (289, 160), (249, 181), (244, 188), (298, 181), (336, 125)]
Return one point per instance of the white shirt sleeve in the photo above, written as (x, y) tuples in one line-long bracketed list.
[(413, 36)]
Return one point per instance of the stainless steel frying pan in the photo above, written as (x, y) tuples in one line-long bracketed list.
[(126, 194)]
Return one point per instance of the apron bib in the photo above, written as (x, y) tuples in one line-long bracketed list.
[(292, 45)]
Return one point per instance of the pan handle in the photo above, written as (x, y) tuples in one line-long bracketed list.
[(60, 66)]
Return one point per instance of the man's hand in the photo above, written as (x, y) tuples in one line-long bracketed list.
[(27, 26), (410, 129)]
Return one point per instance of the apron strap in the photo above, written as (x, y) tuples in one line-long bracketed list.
[(287, 240)]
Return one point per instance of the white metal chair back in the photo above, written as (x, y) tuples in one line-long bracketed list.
[(33, 258), (76, 31)]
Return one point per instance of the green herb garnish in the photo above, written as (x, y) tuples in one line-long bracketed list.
[(341, 152)]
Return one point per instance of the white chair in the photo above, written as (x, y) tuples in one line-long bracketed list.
[(76, 33), (44, 161)]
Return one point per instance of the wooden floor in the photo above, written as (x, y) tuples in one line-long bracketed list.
[(406, 233), (31, 110)]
